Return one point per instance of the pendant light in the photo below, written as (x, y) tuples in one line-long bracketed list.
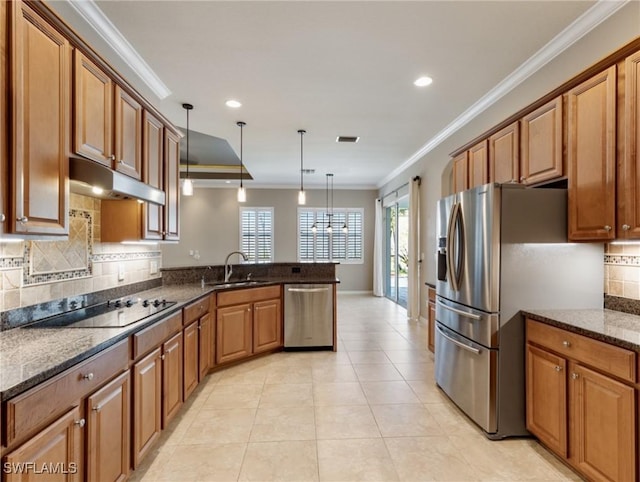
[(329, 212), (187, 184), (302, 196), (242, 194)]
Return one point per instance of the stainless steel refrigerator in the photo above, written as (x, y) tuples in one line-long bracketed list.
[(501, 249)]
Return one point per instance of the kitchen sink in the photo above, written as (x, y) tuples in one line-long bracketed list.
[(233, 284)]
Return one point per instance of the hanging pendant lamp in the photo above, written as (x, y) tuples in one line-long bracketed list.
[(329, 212), (302, 196), (242, 193), (187, 184)]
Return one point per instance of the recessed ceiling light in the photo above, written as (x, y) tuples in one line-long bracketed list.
[(233, 103), (347, 138), (227, 182), (423, 81), (97, 190)]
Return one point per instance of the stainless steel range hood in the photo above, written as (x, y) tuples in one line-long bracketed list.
[(85, 176)]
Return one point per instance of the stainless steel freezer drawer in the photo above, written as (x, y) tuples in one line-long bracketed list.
[(308, 316)]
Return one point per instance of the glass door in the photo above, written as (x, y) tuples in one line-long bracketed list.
[(397, 249)]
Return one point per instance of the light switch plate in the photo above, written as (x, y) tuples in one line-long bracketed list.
[(120, 272), (153, 267)]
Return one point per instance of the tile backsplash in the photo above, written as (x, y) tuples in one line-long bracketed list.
[(34, 272), (622, 270)]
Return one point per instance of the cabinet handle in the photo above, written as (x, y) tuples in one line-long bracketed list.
[(558, 368), (121, 161), (607, 228), (80, 423), (23, 219), (248, 309), (88, 376), (96, 408), (199, 327), (162, 357), (575, 376), (112, 157), (626, 227), (566, 344), (2, 218), (522, 178)]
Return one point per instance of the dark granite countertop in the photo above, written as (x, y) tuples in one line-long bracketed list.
[(29, 356), (615, 327), (430, 284)]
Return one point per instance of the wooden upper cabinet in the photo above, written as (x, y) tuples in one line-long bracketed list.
[(93, 111), (628, 225), (107, 119), (40, 101), (172, 186), (461, 172), (504, 155), (153, 172), (4, 113), (591, 157), (479, 164), (541, 144), (128, 134)]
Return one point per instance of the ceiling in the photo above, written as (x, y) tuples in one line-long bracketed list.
[(333, 68)]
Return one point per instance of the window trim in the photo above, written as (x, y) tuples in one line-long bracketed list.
[(346, 212), (257, 209)]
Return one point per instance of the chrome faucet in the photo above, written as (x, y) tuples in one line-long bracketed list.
[(227, 267)]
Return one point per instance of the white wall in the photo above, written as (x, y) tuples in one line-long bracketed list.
[(210, 224), (434, 168)]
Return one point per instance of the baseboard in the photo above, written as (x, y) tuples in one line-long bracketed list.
[(423, 320)]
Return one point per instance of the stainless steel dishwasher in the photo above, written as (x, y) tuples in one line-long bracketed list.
[(308, 316)]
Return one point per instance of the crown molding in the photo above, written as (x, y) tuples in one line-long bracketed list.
[(581, 26), (96, 18)]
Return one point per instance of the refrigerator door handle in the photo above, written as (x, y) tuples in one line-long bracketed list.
[(457, 343), (459, 312), (451, 253)]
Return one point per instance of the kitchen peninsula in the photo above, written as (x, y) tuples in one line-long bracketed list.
[(56, 380)]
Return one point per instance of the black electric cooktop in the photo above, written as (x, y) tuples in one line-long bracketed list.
[(112, 314)]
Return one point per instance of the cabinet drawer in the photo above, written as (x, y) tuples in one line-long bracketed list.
[(149, 338), (608, 358), (248, 295), (30, 411), (195, 310)]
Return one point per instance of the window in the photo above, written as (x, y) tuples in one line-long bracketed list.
[(256, 234), (336, 246)]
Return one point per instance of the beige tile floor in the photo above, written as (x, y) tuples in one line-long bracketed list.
[(370, 411)]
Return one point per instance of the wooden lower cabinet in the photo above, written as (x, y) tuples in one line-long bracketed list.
[(585, 416), (172, 368), (233, 333), (191, 359), (206, 343), (108, 434), (431, 320), (603, 426), (54, 455), (267, 325), (147, 404)]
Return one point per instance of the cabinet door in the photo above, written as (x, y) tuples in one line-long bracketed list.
[(128, 134), (267, 325), (207, 346), (479, 164), (191, 359), (591, 152), (504, 155), (4, 114), (602, 425), (108, 431), (233, 333), (92, 111), (628, 225), (171, 378), (153, 172), (172, 186), (58, 446), (147, 404), (541, 146), (547, 399), (41, 86), (461, 172), (431, 341)]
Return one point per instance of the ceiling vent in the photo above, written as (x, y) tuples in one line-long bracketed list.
[(347, 139), (308, 171)]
